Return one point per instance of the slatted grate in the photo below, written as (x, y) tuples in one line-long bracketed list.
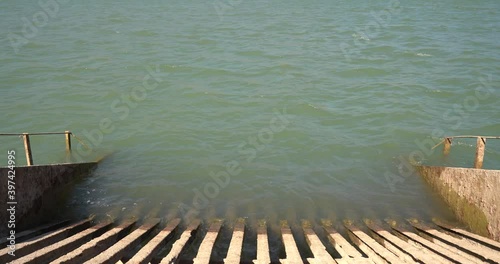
[(131, 242)]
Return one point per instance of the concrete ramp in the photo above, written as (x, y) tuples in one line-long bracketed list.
[(174, 241)]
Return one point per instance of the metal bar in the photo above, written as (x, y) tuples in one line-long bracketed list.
[(488, 137), (447, 146), (61, 133), (27, 145), (480, 146), (68, 140), (34, 134), (27, 149)]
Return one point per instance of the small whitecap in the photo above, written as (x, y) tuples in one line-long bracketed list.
[(313, 106), (360, 37), (424, 55)]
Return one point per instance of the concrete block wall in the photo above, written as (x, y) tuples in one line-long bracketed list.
[(472, 194), (33, 189)]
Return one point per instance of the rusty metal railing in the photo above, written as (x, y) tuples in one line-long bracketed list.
[(480, 147), (27, 144)]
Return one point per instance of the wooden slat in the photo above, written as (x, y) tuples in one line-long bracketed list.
[(95, 246), (394, 244), (373, 245), (147, 252), (486, 241), (343, 247), (403, 256), (467, 245), (180, 243), (30, 233), (55, 250), (114, 253), (418, 254), (439, 248), (292, 252), (236, 245), (205, 250), (262, 245), (372, 255), (321, 256), (36, 243)]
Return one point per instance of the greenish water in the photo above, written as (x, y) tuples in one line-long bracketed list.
[(301, 109)]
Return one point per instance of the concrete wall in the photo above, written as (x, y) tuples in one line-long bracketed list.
[(473, 194), (35, 187)]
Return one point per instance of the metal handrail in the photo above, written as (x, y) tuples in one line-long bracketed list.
[(467, 136), (34, 134), (480, 147), (27, 144)]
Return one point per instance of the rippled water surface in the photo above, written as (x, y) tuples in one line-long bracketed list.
[(276, 109)]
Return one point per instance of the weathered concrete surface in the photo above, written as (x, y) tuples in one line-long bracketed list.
[(35, 188), (473, 195), (409, 241)]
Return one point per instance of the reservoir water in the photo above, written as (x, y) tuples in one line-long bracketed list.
[(258, 109)]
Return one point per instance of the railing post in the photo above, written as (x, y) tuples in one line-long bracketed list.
[(480, 146), (447, 146), (27, 149), (68, 140)]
